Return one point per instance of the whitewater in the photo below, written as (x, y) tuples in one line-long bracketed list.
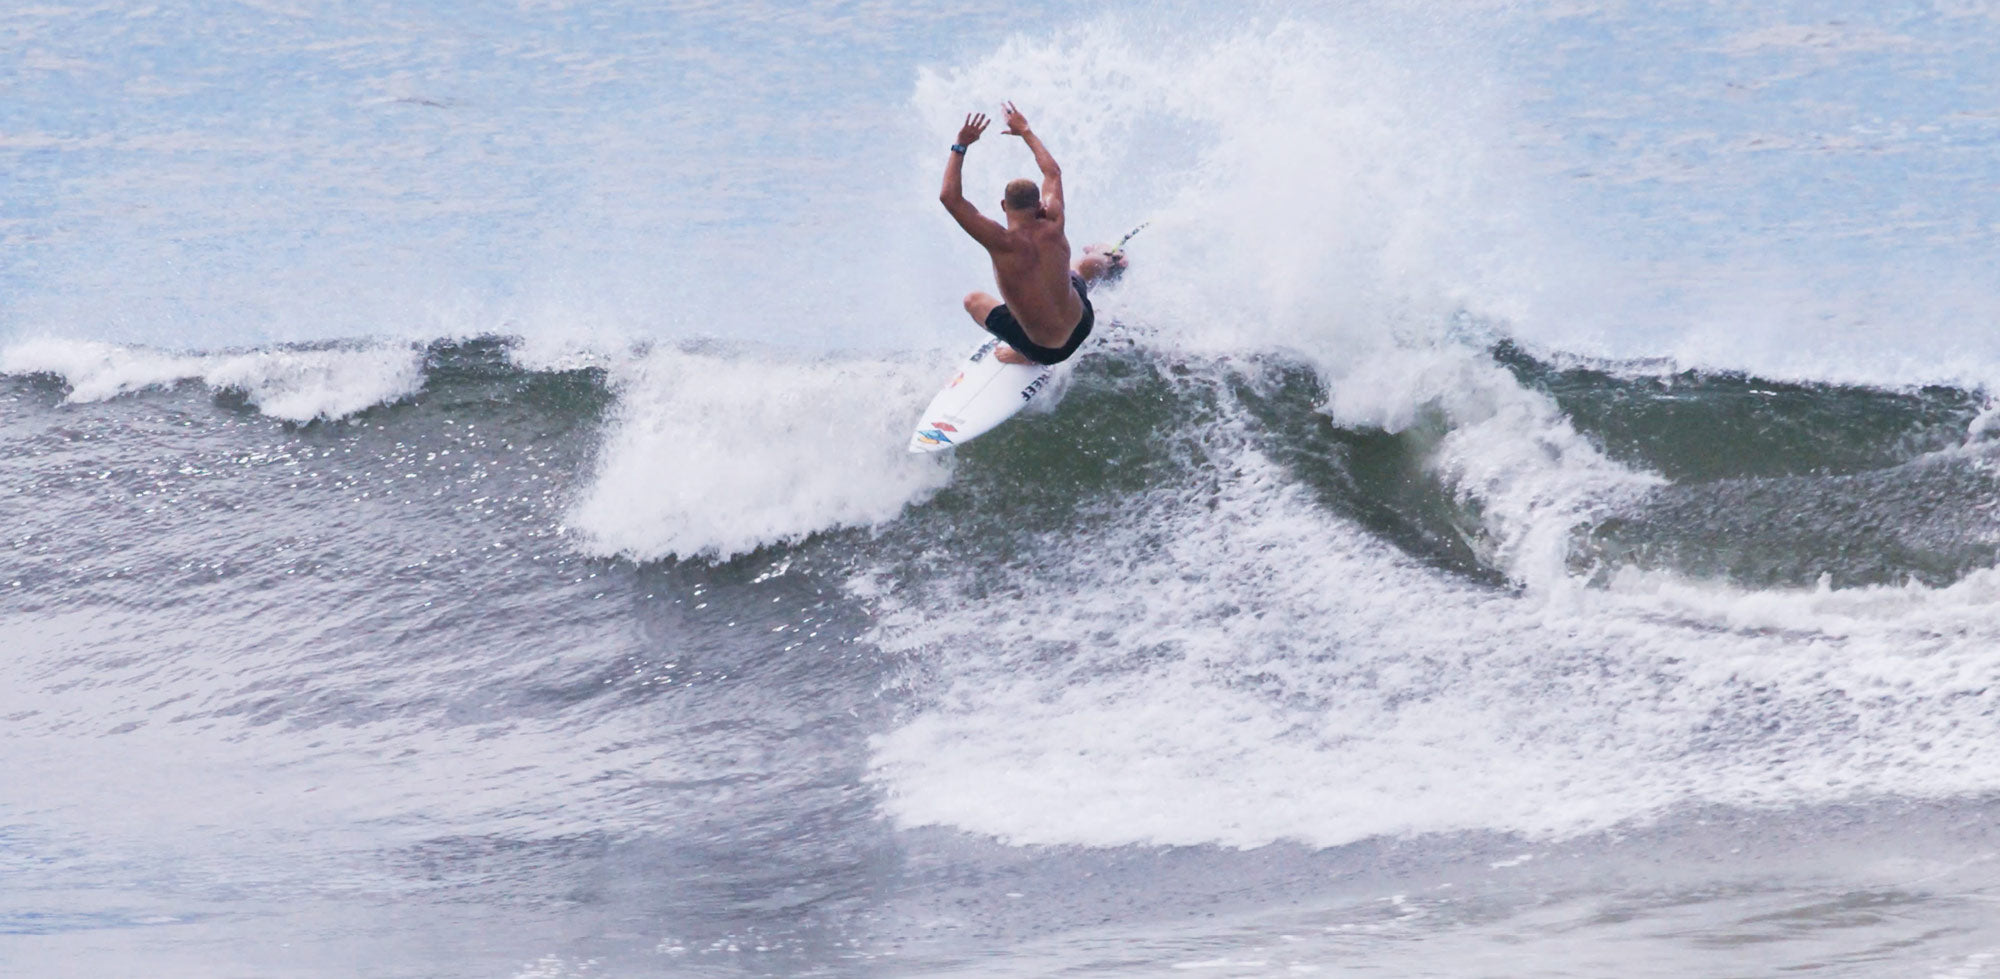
[(1529, 510)]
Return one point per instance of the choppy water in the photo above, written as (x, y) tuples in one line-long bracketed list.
[(1531, 510)]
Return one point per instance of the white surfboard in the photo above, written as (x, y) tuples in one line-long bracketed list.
[(984, 393)]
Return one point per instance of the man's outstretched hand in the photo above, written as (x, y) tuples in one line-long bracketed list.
[(975, 124), (1017, 124)]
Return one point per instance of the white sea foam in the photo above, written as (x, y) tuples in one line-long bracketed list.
[(292, 384), (715, 455), (1983, 428), (1272, 672)]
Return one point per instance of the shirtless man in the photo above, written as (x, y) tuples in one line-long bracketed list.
[(1043, 313)]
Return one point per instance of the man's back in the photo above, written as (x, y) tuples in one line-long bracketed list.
[(1032, 270)]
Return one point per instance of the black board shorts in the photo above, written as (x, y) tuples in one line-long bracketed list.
[(1001, 323)]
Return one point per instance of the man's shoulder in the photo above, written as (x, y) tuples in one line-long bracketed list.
[(1010, 240)]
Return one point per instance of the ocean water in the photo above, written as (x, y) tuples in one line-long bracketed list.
[(1533, 508)]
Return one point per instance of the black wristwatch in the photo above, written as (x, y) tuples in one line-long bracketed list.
[(958, 148)]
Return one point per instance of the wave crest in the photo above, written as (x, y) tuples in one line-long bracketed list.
[(290, 384), (714, 456)]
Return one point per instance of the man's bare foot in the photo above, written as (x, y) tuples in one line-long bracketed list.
[(1008, 355)]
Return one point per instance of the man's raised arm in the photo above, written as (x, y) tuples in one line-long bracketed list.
[(983, 229), (1052, 189)]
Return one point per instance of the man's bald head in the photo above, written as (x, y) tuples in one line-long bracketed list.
[(1023, 195)]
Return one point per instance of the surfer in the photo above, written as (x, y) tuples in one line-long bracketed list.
[(1043, 313)]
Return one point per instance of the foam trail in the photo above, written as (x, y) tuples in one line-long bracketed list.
[(295, 385), (713, 456)]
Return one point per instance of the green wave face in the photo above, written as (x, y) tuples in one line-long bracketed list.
[(1763, 484), (1783, 484), (1766, 484)]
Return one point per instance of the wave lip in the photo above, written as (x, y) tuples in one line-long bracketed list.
[(711, 455), (287, 383)]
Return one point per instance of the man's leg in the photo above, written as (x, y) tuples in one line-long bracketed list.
[(979, 305)]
